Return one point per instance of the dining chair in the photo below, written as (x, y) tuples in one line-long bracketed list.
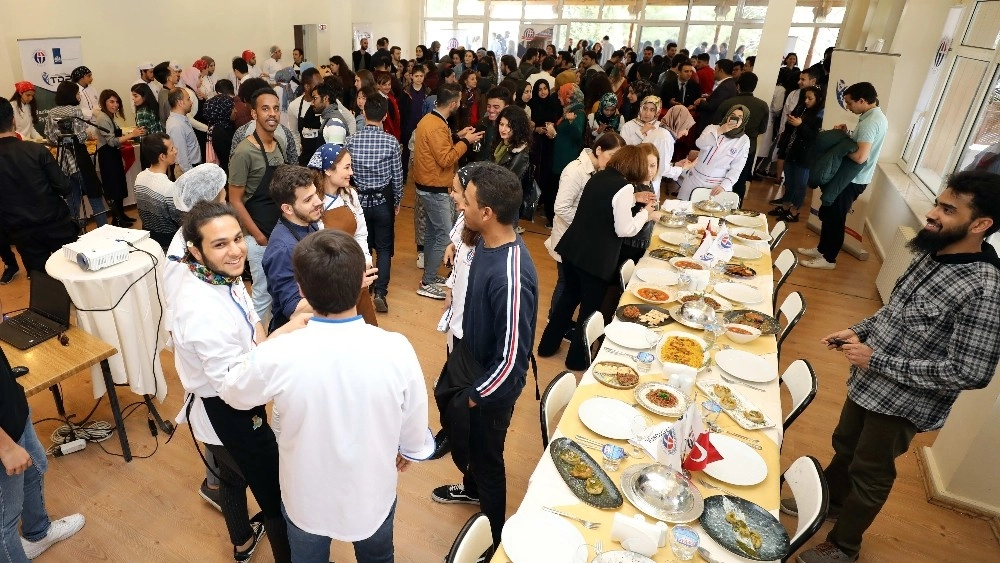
[(812, 499), (785, 264), (793, 307), (732, 198), (800, 379), (473, 540), (700, 194), (593, 328), (778, 232), (625, 273), (555, 398)]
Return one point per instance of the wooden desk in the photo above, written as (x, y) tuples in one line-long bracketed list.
[(51, 363)]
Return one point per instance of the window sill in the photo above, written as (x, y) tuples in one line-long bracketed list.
[(909, 188)]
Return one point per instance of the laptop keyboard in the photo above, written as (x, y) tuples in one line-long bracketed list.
[(29, 326)]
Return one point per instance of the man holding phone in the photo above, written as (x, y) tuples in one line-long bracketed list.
[(496, 100)]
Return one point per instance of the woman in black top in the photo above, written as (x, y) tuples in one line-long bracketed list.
[(592, 244), (635, 246), (513, 137), (545, 108)]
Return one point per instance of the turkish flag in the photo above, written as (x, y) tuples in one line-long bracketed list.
[(701, 454)]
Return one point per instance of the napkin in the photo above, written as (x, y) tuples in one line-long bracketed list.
[(718, 248)]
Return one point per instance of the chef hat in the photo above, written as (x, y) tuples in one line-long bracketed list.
[(201, 183), (78, 73), (274, 49), (249, 55)]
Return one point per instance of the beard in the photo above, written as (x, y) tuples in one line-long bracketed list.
[(935, 241)]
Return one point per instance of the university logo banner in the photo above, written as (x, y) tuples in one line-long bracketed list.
[(48, 62)]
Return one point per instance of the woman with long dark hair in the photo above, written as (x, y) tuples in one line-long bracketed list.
[(64, 128), (801, 130), (568, 141), (109, 155), (25, 111), (421, 54), (146, 109), (513, 137), (469, 110), (592, 243), (545, 111), (598, 85), (340, 68)]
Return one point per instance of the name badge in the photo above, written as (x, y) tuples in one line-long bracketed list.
[(310, 133)]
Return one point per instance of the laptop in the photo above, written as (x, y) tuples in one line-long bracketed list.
[(47, 314)]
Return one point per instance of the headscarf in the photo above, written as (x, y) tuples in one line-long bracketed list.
[(24, 86), (735, 133), (568, 76), (200, 64), (191, 77), (656, 101), (325, 156), (249, 55), (608, 100), (677, 119), (201, 183), (570, 94), (544, 109), (78, 73)]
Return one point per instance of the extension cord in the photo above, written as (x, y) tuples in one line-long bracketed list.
[(70, 447)]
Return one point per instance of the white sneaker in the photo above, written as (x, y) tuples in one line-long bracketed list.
[(819, 264), (810, 252), (59, 530), (420, 260)]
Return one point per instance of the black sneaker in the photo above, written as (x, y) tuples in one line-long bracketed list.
[(777, 201), (8, 274), (257, 524), (789, 218), (211, 496), (452, 494), (380, 304), (778, 211)]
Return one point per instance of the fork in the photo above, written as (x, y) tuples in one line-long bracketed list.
[(736, 382), (617, 352), (585, 523), (598, 547), (716, 487)]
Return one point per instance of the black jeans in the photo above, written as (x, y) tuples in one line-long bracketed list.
[(834, 217), (6, 254), (863, 469), (36, 245), (486, 476), (581, 289), (743, 182), (381, 221)]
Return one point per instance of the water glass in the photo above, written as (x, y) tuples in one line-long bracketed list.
[(684, 542), (613, 456), (640, 431)]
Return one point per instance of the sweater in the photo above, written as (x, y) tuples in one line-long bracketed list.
[(569, 141), (32, 187), (435, 155)]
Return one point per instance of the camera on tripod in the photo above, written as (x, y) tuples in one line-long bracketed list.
[(66, 133)]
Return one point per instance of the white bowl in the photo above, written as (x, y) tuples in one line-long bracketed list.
[(742, 338)]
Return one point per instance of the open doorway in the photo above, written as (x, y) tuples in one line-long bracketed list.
[(306, 37)]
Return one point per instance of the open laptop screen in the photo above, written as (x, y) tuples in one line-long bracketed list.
[(49, 298)]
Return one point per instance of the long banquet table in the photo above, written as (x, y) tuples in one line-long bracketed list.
[(546, 487)]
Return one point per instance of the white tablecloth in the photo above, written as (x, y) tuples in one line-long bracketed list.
[(134, 326), (546, 487)]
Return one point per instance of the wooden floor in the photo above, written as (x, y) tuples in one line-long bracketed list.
[(149, 510)]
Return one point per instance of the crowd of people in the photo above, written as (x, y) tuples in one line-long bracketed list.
[(281, 174)]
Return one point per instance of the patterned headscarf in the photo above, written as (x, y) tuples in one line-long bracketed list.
[(570, 94), (200, 64), (736, 133), (324, 157), (24, 86), (78, 73), (655, 100), (608, 100), (677, 119)]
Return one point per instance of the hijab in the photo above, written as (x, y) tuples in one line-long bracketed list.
[(608, 100), (678, 119), (736, 133), (191, 77), (656, 101), (570, 95), (544, 109)]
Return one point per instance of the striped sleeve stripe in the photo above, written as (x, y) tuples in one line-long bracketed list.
[(499, 376)]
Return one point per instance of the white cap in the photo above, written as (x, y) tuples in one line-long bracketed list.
[(145, 66), (201, 183)]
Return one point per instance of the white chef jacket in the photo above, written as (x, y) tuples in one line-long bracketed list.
[(271, 68), (660, 138), (212, 328), (720, 161), (22, 123), (352, 396)]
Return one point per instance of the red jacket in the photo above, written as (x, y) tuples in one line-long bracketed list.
[(392, 123), (706, 79)]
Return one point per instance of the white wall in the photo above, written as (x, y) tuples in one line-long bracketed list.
[(113, 43)]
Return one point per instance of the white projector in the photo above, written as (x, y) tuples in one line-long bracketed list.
[(96, 253)]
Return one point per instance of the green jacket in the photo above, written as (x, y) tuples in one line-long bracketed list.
[(831, 169), (569, 140)]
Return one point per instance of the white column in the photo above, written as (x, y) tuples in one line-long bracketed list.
[(773, 38)]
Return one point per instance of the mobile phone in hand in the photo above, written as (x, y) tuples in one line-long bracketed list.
[(838, 342)]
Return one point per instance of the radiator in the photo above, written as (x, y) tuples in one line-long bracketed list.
[(897, 258)]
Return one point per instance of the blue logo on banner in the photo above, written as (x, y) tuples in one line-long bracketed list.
[(39, 57), (56, 56), (841, 87)]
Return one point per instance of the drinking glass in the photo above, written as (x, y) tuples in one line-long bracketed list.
[(640, 431), (684, 542), (652, 339)]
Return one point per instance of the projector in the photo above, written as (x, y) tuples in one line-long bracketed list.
[(94, 253)]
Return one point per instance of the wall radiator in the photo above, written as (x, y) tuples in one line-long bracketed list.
[(897, 258)]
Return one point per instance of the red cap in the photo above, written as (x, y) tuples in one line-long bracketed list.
[(248, 55)]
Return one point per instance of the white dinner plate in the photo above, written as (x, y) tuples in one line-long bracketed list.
[(744, 252), (610, 418), (629, 335), (746, 221), (656, 276), (745, 366), (762, 236), (674, 238), (739, 292), (533, 536), (740, 465)]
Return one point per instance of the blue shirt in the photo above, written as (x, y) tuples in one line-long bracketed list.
[(182, 136), (277, 264), (377, 162), (872, 127)]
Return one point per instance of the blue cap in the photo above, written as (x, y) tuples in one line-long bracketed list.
[(325, 156)]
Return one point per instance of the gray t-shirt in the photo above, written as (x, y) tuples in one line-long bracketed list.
[(246, 167)]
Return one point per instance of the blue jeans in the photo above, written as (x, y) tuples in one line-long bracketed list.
[(22, 500), (440, 211), (312, 548), (75, 198), (796, 182), (381, 221), (261, 298)]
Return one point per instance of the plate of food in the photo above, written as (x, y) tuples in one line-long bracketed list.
[(747, 213), (606, 417), (744, 252), (684, 349), (656, 276), (616, 374), (674, 238), (664, 254), (659, 398), (744, 528), (652, 294), (629, 335), (717, 303), (739, 271), (752, 236), (649, 316), (766, 324), (740, 465), (535, 536), (741, 410), (739, 292), (741, 220), (583, 475), (686, 264)]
